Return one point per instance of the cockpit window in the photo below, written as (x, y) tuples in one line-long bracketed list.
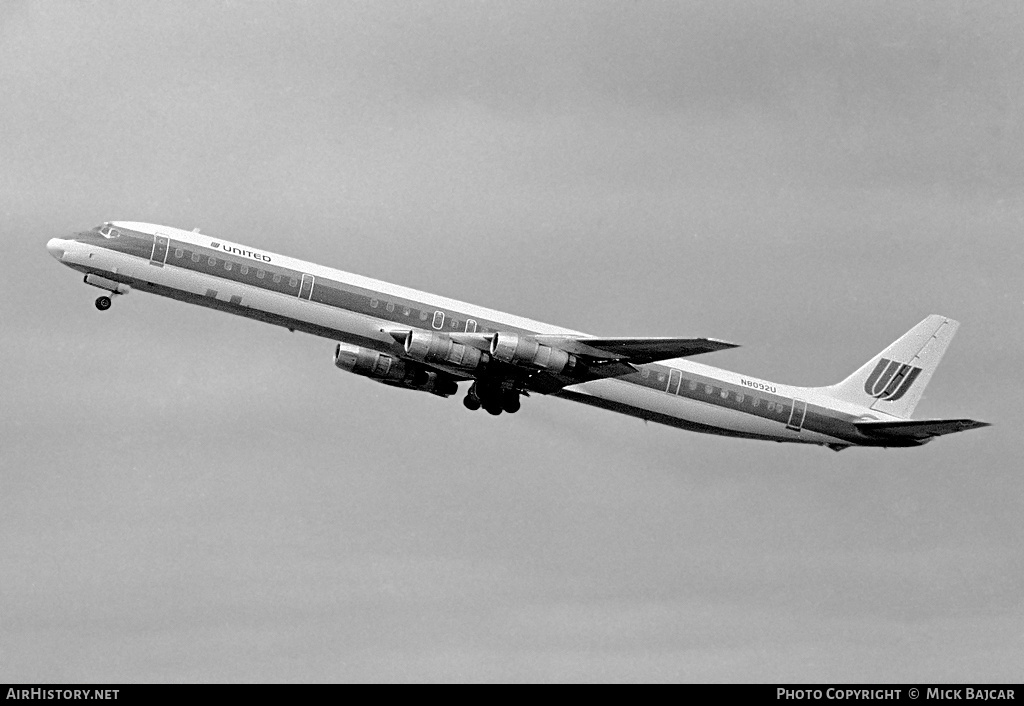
[(107, 231)]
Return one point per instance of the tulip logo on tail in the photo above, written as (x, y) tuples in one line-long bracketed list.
[(890, 380)]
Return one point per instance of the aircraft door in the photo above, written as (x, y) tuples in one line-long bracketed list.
[(159, 255), (674, 378), (796, 416), (306, 288)]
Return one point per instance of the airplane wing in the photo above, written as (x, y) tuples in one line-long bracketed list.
[(598, 357), (635, 350), (615, 357), (918, 430)]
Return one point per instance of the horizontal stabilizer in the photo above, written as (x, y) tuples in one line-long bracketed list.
[(917, 430), (635, 350)]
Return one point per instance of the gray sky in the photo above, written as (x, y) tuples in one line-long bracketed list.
[(189, 496)]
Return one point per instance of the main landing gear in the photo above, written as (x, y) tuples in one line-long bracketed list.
[(495, 399)]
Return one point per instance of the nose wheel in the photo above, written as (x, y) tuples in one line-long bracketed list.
[(112, 288)]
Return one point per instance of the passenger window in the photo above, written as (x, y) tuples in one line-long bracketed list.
[(243, 270), (292, 282), (771, 406), (227, 265), (692, 385), (756, 402), (645, 373), (739, 397), (260, 274), (724, 393), (373, 303), (708, 389), (195, 257), (390, 306), (212, 261), (405, 311), (455, 323), (423, 316), (178, 252), (661, 377), (277, 279)]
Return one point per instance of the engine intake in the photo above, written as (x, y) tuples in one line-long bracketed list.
[(439, 348), (527, 351)]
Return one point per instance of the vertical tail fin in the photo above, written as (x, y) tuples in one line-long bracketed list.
[(892, 382)]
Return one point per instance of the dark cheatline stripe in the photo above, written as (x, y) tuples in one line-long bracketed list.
[(658, 417)]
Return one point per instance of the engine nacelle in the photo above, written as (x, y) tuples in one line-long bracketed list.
[(528, 352), (439, 348), (393, 371), (369, 363), (433, 382)]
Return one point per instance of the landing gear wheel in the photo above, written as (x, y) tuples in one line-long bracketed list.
[(471, 402), (493, 409), (103, 303), (511, 403)]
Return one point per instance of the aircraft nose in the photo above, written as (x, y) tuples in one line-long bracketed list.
[(55, 246)]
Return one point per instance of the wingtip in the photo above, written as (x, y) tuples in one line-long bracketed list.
[(723, 345)]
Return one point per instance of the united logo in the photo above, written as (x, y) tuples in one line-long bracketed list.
[(890, 380)]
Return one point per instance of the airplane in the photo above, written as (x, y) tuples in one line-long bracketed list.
[(419, 341)]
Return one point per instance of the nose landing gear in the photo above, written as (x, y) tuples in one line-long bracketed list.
[(115, 288)]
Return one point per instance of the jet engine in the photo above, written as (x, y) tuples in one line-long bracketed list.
[(369, 363), (433, 382), (389, 370), (526, 351), (439, 348)]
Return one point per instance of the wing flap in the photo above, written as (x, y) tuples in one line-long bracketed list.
[(918, 430)]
